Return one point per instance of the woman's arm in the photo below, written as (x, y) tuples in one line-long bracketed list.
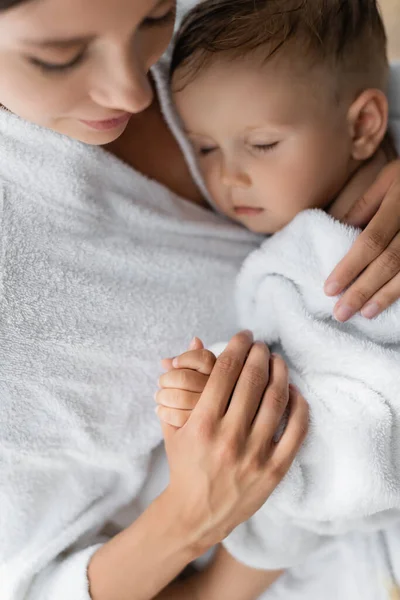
[(224, 464), (144, 558), (224, 578)]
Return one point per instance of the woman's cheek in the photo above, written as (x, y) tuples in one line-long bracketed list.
[(153, 44)]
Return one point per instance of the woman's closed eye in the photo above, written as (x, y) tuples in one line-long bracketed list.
[(160, 21), (57, 67)]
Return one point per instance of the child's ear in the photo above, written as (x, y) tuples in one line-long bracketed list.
[(368, 119)]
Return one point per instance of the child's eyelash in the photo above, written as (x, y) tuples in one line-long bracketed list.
[(265, 147), (206, 151)]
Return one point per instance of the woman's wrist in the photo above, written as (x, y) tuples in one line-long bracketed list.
[(142, 560)]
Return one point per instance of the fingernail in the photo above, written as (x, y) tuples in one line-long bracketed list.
[(293, 388), (370, 310), (192, 343), (175, 362), (332, 288), (343, 313), (157, 410)]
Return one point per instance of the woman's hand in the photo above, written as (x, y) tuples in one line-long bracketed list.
[(224, 462), (373, 264)]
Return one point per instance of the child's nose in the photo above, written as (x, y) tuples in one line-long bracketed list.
[(234, 176)]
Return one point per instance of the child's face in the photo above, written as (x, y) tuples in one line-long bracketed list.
[(270, 144)]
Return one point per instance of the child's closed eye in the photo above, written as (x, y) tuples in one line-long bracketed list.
[(206, 150), (264, 147)]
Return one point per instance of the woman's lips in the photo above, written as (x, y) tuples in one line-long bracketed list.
[(109, 123), (248, 210)]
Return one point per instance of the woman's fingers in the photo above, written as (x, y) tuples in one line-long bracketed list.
[(293, 436), (369, 245), (249, 390), (381, 271), (363, 211), (376, 251), (388, 294), (222, 381), (273, 404)]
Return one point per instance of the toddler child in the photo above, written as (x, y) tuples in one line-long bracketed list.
[(285, 104)]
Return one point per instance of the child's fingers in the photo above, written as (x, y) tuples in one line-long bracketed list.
[(195, 344), (183, 379), (202, 361), (172, 416), (177, 399), (166, 364)]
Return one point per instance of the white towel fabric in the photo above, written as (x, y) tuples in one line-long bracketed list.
[(347, 475), (102, 273), (356, 566)]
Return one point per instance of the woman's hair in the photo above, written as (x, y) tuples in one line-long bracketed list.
[(347, 36), (4, 4)]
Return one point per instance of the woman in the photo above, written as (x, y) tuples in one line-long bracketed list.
[(104, 271)]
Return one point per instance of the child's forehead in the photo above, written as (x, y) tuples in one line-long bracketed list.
[(271, 92)]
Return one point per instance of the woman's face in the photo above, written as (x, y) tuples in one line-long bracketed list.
[(80, 67)]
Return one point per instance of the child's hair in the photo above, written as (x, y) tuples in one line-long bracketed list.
[(346, 36)]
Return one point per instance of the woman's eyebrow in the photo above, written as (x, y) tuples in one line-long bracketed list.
[(60, 43)]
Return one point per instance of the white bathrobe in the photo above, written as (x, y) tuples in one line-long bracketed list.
[(347, 475), (102, 273)]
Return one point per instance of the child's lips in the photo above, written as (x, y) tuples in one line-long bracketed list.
[(249, 211)]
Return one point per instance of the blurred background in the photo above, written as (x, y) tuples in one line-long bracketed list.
[(391, 15)]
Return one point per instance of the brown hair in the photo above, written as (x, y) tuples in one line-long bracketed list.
[(6, 4), (346, 35)]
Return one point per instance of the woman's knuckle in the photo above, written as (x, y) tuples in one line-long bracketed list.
[(255, 375), (360, 296), (205, 428), (277, 399), (390, 259), (277, 469), (254, 462), (227, 450), (375, 241), (228, 363)]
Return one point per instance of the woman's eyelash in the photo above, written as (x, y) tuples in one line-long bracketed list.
[(147, 23), (54, 67), (166, 19)]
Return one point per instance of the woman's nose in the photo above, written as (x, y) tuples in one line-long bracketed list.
[(125, 87)]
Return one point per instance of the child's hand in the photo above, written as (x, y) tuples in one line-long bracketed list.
[(183, 384)]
